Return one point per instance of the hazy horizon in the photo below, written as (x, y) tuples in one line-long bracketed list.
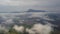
[(23, 5)]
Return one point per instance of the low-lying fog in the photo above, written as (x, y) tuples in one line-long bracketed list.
[(7, 19)]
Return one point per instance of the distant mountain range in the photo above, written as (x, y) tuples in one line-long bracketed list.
[(32, 10)]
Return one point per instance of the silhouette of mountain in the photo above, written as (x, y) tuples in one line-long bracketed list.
[(31, 10)]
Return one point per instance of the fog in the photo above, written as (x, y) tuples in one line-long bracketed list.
[(36, 29), (15, 19)]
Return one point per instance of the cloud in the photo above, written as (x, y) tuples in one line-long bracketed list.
[(18, 28), (18, 2), (51, 5), (36, 28), (8, 18), (40, 29)]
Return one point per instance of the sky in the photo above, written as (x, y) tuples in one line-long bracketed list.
[(23, 5)]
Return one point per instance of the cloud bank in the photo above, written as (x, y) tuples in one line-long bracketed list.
[(20, 5), (36, 29)]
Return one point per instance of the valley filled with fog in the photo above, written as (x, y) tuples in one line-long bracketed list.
[(31, 22), (29, 16)]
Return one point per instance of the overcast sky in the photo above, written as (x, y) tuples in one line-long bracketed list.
[(22, 5)]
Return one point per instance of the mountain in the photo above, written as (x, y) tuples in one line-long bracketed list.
[(31, 10)]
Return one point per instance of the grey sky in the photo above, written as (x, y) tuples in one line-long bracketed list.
[(22, 5)]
